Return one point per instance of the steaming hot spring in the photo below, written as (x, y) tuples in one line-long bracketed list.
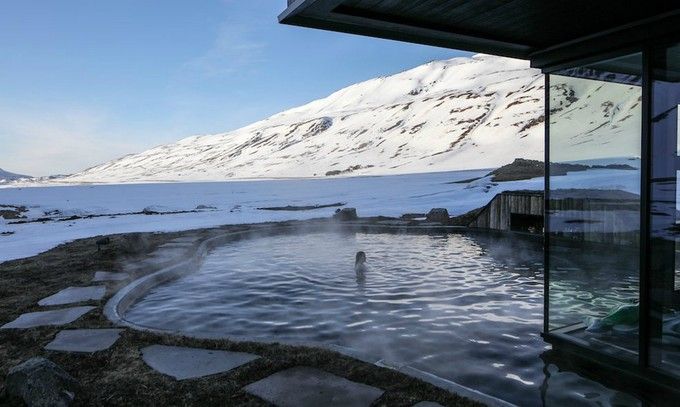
[(464, 307)]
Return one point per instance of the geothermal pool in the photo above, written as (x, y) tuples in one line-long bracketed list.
[(467, 308)]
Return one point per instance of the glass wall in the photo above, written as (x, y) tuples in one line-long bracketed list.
[(664, 228), (594, 204)]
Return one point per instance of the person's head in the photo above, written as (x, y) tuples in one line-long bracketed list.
[(360, 258)]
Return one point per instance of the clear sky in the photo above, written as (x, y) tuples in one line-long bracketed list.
[(84, 81)]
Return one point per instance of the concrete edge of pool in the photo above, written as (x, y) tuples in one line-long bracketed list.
[(116, 306)]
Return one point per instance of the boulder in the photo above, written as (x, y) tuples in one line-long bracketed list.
[(39, 382), (345, 214), (149, 211), (440, 215)]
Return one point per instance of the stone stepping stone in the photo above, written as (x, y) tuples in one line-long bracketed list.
[(84, 340), (75, 294), (191, 363), (42, 318), (109, 276), (306, 386), (427, 404)]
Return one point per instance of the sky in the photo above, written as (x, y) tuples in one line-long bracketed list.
[(83, 82)]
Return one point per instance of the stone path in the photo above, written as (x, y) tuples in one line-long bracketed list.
[(109, 276), (306, 386), (42, 318), (84, 340), (190, 363), (74, 294)]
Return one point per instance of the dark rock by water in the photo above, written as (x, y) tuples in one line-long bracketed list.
[(345, 214), (526, 169), (521, 169), (41, 383), (440, 215), (518, 170)]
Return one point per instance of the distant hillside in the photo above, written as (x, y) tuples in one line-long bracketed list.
[(463, 113), (6, 176)]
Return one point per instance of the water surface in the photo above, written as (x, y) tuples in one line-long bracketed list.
[(466, 308)]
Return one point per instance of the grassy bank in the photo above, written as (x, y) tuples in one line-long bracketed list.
[(118, 376)]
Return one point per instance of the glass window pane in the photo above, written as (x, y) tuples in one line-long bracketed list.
[(594, 204), (665, 262)]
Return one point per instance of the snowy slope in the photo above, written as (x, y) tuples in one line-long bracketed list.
[(6, 176), (463, 113)]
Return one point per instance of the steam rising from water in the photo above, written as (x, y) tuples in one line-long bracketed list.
[(465, 308)]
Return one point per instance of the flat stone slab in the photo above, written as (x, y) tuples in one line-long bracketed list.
[(191, 363), (306, 386), (109, 276), (427, 404), (53, 317), (84, 340), (75, 294)]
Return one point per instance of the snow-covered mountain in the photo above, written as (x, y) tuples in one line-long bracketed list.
[(6, 176), (462, 113)]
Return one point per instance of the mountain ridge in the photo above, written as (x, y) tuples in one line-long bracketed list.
[(462, 113)]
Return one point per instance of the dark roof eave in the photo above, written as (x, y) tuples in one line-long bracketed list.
[(324, 14), (301, 13)]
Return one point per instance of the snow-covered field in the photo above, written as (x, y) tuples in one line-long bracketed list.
[(237, 202)]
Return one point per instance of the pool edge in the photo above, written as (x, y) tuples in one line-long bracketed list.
[(117, 305)]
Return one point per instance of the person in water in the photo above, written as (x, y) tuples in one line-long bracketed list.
[(360, 262)]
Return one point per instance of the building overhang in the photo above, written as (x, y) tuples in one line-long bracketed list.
[(548, 33)]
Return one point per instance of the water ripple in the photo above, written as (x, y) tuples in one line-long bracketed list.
[(466, 309)]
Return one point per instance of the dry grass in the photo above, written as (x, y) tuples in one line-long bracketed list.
[(118, 376)]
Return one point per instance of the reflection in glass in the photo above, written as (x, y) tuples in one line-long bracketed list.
[(594, 214), (665, 262)]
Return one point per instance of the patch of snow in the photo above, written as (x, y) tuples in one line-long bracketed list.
[(379, 195)]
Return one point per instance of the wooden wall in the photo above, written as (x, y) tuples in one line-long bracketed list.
[(497, 213)]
